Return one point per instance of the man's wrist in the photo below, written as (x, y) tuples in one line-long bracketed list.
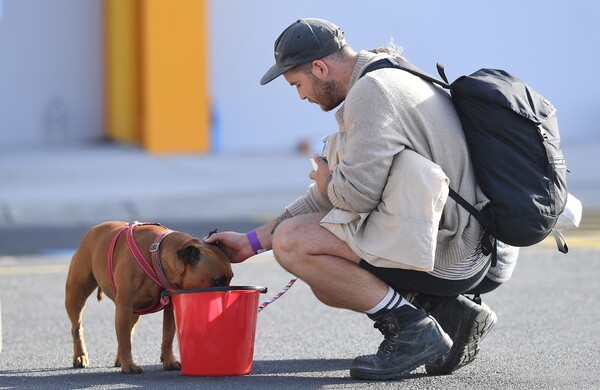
[(254, 242)]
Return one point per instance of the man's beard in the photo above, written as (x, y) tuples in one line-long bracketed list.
[(327, 95)]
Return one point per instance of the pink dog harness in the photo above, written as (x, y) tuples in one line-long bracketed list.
[(154, 270)]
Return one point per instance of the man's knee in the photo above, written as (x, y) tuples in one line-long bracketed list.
[(284, 241)]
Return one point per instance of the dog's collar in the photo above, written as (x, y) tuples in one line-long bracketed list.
[(156, 263), (154, 269)]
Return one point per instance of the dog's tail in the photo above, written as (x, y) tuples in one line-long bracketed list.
[(100, 294)]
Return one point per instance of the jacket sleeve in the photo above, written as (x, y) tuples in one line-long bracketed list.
[(372, 141), (313, 201)]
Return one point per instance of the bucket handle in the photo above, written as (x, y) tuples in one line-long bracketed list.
[(166, 293)]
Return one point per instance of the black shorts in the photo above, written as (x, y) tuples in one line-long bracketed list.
[(421, 282)]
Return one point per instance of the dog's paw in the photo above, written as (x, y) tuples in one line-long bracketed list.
[(172, 365), (131, 369), (128, 368), (80, 361)]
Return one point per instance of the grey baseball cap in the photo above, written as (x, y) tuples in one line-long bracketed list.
[(303, 41)]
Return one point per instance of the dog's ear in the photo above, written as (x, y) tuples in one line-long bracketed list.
[(189, 253)]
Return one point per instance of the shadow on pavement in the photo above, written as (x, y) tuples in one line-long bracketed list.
[(266, 374)]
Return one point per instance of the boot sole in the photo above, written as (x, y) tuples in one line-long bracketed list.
[(465, 350)]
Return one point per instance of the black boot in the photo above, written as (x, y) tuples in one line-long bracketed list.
[(465, 321), (411, 338)]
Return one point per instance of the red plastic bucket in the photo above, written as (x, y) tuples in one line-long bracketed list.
[(216, 329)]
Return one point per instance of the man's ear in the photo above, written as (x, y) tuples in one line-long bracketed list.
[(320, 70)]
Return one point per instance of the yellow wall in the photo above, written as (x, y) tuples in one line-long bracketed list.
[(122, 95), (176, 111), (157, 84)]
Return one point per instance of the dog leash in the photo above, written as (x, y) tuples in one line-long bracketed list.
[(279, 294)]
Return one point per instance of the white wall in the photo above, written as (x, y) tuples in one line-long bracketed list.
[(51, 68), (51, 62), (552, 45)]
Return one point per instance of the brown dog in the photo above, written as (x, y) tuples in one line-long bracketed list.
[(184, 261)]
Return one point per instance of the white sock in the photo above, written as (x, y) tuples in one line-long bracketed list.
[(391, 300)]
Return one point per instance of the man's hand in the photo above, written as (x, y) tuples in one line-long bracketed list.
[(235, 245), (322, 175)]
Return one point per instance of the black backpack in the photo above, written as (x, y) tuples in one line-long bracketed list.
[(513, 139)]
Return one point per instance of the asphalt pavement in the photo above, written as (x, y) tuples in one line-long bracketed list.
[(546, 336)]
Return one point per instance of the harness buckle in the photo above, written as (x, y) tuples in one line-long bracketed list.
[(154, 247)]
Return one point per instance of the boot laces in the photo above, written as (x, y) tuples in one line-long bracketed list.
[(390, 335)]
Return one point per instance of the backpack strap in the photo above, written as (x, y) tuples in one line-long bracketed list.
[(560, 241), (442, 72), (467, 206), (488, 242), (391, 62)]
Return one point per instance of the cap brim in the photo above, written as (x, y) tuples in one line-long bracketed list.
[(273, 73)]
